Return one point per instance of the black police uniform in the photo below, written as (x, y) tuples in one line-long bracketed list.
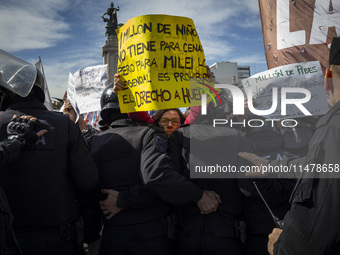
[(8, 242), (269, 143), (9, 153), (260, 223), (312, 225), (214, 233), (130, 155), (41, 187)]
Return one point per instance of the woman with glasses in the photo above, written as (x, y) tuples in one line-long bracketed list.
[(170, 119)]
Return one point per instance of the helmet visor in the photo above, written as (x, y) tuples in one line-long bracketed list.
[(16, 75)]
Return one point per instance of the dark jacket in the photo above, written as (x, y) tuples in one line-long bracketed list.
[(276, 191), (312, 225), (8, 242), (198, 145), (41, 187), (9, 152), (131, 159)]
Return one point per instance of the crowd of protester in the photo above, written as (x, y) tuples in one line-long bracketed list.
[(127, 188)]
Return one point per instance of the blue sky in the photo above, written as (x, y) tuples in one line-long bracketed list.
[(69, 34)]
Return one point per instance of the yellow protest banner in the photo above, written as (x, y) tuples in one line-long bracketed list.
[(157, 57)]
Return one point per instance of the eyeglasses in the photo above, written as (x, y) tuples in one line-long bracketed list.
[(174, 121)]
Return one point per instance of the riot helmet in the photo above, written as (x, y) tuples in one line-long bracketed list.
[(218, 110), (16, 75), (225, 109), (109, 99), (109, 103)]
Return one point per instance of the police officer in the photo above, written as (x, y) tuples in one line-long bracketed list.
[(18, 130), (268, 142), (312, 224), (136, 175), (50, 181), (223, 231)]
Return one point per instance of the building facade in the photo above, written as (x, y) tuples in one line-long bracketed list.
[(225, 71)]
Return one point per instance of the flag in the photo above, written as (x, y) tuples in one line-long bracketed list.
[(86, 118), (297, 31), (48, 101)]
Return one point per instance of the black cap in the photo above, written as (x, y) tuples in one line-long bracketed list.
[(334, 53)]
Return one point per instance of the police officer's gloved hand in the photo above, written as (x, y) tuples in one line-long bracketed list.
[(21, 130)]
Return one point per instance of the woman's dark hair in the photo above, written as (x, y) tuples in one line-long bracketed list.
[(158, 115)]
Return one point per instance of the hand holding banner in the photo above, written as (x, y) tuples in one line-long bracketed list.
[(158, 55), (85, 88)]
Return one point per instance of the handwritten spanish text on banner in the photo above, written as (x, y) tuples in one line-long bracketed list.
[(157, 57), (307, 75)]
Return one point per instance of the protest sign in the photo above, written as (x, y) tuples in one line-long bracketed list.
[(298, 31), (85, 88), (307, 75), (158, 55)]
